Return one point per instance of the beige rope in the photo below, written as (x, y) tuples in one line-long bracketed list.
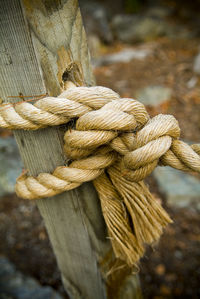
[(115, 145), (52, 111)]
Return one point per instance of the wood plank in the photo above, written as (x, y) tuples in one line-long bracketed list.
[(43, 43)]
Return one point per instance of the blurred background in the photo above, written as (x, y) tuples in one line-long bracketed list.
[(148, 50)]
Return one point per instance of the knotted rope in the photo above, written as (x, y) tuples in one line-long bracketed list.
[(114, 144)]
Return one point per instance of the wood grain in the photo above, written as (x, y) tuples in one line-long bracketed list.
[(43, 44)]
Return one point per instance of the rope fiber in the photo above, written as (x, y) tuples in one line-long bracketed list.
[(116, 145)]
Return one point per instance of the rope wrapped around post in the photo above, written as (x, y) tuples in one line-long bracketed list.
[(114, 144)]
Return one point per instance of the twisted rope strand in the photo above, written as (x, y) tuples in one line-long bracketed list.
[(64, 178), (51, 111), (113, 136)]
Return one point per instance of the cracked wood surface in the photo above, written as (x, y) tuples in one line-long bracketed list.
[(43, 43)]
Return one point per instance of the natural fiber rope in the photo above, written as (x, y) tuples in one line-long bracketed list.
[(113, 135)]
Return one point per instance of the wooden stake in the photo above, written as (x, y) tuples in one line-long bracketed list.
[(43, 44)]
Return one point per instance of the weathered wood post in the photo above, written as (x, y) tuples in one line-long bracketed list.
[(43, 44)]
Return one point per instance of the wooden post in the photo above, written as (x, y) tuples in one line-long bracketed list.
[(43, 44)]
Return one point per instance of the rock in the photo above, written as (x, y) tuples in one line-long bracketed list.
[(134, 28), (192, 82), (11, 165), (154, 95), (96, 20), (196, 66), (126, 55), (181, 189), (142, 28), (15, 285)]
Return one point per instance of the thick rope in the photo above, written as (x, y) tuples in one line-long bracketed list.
[(114, 144)]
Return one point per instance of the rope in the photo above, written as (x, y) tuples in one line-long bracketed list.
[(114, 144)]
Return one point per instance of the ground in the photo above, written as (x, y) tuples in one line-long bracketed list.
[(172, 268)]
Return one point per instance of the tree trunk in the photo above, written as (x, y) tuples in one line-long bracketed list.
[(43, 44)]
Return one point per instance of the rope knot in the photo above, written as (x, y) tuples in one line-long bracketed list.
[(114, 144), (149, 145)]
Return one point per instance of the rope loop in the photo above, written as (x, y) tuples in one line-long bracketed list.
[(116, 145)]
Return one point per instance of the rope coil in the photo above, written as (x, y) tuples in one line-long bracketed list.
[(114, 144)]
